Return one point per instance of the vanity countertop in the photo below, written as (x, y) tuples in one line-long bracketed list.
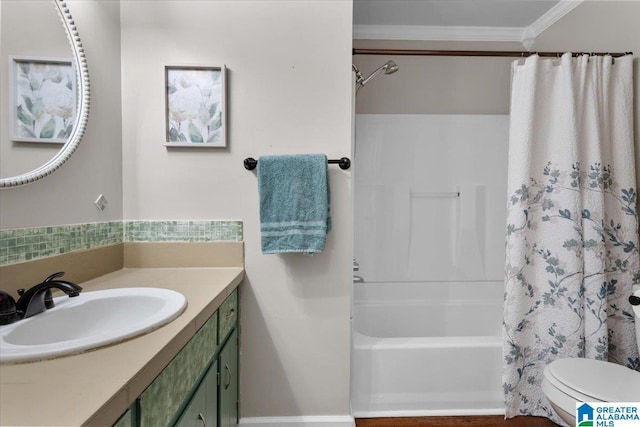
[(96, 387)]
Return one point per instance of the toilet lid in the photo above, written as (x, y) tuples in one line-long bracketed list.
[(595, 379)]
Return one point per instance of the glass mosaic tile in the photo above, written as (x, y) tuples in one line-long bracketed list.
[(26, 244)]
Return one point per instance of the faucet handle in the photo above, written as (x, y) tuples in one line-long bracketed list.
[(8, 311), (48, 298)]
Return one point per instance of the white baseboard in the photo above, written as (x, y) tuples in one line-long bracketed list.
[(310, 421)]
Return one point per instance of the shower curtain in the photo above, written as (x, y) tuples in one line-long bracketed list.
[(572, 221)]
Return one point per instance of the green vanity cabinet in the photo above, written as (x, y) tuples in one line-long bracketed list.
[(199, 387), (202, 409), (126, 420), (160, 403), (228, 316), (229, 382)]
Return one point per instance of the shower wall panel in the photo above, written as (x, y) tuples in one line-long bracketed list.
[(430, 196)]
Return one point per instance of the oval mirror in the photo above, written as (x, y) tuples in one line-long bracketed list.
[(48, 96)]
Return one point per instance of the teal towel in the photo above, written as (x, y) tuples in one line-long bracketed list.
[(294, 203)]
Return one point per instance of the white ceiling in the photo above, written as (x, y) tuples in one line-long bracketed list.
[(474, 20), (464, 13)]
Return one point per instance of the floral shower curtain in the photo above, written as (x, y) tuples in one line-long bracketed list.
[(572, 221)]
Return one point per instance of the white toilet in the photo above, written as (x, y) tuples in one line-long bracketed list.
[(571, 380)]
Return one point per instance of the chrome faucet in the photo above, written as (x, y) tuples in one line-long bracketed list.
[(38, 298)]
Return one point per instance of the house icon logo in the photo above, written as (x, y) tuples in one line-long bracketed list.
[(584, 415)]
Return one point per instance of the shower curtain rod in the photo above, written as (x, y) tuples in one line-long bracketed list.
[(502, 53)]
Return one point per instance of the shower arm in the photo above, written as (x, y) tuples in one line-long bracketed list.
[(388, 67), (359, 76), (372, 75)]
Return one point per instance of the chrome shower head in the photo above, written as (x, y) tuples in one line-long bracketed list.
[(389, 67)]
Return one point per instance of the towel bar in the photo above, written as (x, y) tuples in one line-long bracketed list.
[(250, 163)]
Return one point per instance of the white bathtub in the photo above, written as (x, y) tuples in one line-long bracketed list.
[(427, 349)]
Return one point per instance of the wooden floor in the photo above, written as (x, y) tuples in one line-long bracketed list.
[(475, 421)]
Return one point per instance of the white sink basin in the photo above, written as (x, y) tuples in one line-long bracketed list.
[(92, 319)]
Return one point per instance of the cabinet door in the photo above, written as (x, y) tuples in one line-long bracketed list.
[(210, 383), (229, 382), (161, 401), (202, 408), (126, 420), (192, 415), (228, 315)]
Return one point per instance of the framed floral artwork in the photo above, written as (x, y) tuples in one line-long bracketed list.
[(44, 100), (195, 106)]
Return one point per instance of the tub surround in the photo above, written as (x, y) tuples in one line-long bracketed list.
[(103, 383), (427, 349)]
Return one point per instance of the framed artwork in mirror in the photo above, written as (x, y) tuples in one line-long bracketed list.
[(43, 99), (195, 99)]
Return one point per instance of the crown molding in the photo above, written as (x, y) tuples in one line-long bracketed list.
[(524, 35), (552, 16), (423, 32)]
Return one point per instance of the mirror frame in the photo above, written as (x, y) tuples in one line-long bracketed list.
[(83, 100)]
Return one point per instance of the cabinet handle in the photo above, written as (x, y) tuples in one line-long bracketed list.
[(230, 313), (201, 418), (226, 368)]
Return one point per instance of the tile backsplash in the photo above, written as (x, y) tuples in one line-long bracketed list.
[(182, 231), (26, 244)]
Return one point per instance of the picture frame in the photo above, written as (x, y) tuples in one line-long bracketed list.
[(195, 100), (44, 100)]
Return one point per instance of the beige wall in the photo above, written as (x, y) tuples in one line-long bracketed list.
[(434, 84), (66, 196), (289, 90)]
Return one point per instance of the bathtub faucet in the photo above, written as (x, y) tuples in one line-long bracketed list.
[(356, 267)]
